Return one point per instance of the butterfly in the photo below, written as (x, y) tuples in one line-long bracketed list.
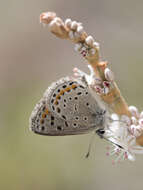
[(68, 107)]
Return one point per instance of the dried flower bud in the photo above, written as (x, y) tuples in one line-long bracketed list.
[(68, 23), (80, 30), (74, 25), (54, 25), (59, 20), (96, 45), (57, 27), (89, 40), (134, 111), (47, 17)]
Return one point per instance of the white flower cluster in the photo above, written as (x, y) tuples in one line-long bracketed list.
[(87, 48), (122, 133), (75, 28)]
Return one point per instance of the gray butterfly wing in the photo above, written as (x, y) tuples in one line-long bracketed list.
[(67, 108), (44, 122)]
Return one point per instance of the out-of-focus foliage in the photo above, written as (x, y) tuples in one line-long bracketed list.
[(30, 59)]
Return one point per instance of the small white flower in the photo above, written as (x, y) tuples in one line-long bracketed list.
[(135, 130), (74, 25), (96, 45), (124, 143), (80, 30), (108, 74), (78, 46), (134, 111), (89, 40)]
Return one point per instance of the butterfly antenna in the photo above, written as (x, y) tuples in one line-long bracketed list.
[(89, 146)]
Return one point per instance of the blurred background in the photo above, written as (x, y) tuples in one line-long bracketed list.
[(30, 59)]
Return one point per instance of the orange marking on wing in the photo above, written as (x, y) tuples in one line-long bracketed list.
[(73, 86), (43, 115), (62, 92), (58, 96), (56, 102), (47, 111), (68, 89)]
